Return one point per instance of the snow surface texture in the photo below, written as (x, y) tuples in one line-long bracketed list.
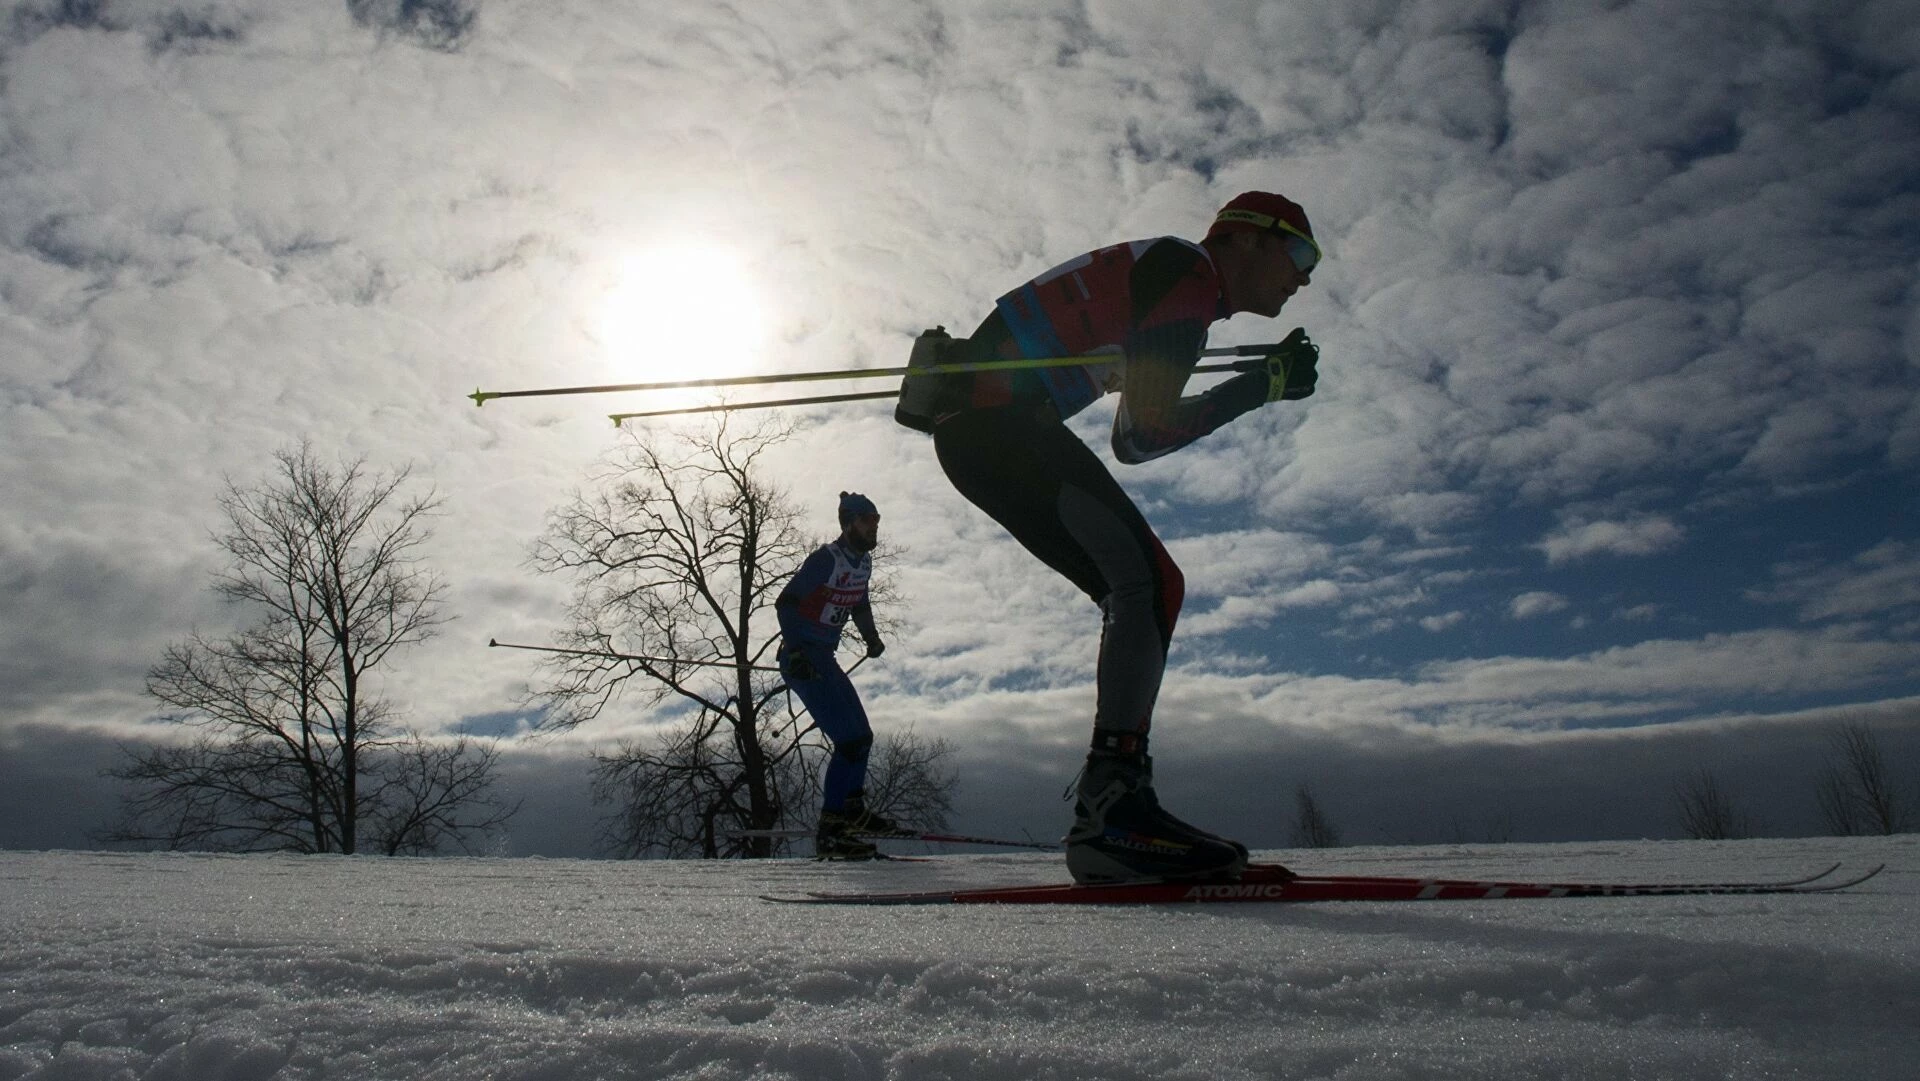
[(212, 968)]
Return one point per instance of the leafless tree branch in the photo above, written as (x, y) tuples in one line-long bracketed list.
[(328, 559)]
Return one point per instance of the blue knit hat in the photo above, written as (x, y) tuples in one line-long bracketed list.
[(853, 505)]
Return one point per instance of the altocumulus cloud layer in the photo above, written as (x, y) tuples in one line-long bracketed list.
[(1615, 432)]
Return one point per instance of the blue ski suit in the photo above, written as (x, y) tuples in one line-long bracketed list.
[(827, 590)]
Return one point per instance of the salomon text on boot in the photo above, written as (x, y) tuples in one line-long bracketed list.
[(1121, 833)]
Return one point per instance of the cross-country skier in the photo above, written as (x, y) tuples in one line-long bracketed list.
[(1001, 439), (829, 588)]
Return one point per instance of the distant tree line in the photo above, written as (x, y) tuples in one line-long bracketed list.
[(1857, 790)]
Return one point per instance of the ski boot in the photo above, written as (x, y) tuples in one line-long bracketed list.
[(1121, 834), (842, 834), (832, 843), (855, 818)]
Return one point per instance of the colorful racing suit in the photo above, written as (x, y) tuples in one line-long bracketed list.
[(1002, 442), (827, 590)]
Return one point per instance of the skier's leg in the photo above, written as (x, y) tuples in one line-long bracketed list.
[(1145, 590), (1055, 497), (843, 720), (836, 710)]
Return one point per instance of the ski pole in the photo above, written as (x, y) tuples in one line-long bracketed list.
[(728, 407), (482, 397), (628, 656)]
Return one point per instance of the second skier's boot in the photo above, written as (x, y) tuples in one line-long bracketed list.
[(869, 823), (834, 840), (1121, 834), (844, 834)]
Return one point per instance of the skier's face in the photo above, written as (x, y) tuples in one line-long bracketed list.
[(1272, 276), (863, 532)]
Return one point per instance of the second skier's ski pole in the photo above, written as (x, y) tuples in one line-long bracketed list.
[(630, 657)]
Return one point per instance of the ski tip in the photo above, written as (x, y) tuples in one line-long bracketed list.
[(1824, 887)]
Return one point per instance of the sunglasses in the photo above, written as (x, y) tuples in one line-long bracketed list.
[(1302, 250)]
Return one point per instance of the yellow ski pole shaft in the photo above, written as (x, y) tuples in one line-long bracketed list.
[(729, 407), (482, 397)]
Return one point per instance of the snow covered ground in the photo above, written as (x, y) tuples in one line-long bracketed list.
[(211, 968)]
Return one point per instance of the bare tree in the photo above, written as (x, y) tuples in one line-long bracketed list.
[(293, 750), (677, 552), (1707, 811), (905, 776), (681, 794), (1311, 826), (432, 796), (1857, 792)]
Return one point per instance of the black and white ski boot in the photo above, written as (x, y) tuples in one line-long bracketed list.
[(835, 844), (843, 834), (1122, 834), (854, 817)]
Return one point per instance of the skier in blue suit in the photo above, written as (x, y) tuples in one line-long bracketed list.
[(827, 590)]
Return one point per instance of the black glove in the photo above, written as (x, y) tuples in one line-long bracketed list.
[(875, 646), (1290, 370), (797, 665)]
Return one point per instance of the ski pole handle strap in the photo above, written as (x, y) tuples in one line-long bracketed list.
[(1292, 368)]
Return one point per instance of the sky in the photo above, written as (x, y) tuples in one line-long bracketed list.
[(287, 968), (1609, 474)]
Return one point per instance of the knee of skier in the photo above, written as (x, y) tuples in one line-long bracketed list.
[(1157, 592), (854, 750), (1172, 587)]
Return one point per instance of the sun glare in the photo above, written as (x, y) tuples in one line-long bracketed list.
[(683, 313)]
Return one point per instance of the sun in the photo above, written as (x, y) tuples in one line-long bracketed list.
[(683, 312)]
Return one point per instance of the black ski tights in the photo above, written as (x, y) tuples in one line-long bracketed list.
[(1038, 480)]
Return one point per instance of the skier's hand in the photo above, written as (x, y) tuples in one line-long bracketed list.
[(875, 646), (797, 665), (1290, 370)]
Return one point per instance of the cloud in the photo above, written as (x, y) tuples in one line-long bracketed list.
[(1636, 537), (1881, 580), (437, 24), (1536, 603)]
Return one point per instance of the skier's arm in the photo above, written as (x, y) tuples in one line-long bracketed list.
[(862, 614), (1175, 298), (811, 576), (1154, 419)]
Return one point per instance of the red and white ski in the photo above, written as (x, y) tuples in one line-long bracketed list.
[(1272, 882)]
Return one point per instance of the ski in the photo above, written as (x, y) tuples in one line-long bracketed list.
[(1273, 883), (907, 835)]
